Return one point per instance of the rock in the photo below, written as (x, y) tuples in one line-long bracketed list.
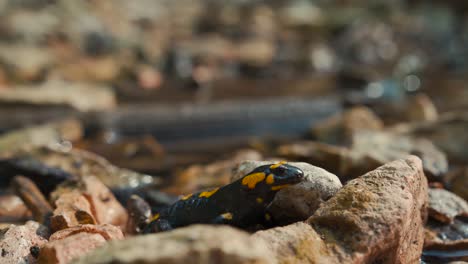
[(108, 232), (369, 150), (81, 96), (444, 206), (193, 244), (33, 198), (139, 214), (104, 205), (149, 78), (458, 182), (330, 157), (448, 133), (13, 209), (339, 129), (83, 163), (16, 242), (42, 135), (86, 201), (65, 250), (421, 108), (90, 69), (379, 216), (24, 62), (297, 243), (382, 147), (444, 242), (218, 173), (71, 209), (44, 177), (255, 52), (297, 202)]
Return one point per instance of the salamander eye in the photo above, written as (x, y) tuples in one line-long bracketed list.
[(280, 170)]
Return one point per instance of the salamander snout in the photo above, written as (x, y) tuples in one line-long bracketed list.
[(286, 174)]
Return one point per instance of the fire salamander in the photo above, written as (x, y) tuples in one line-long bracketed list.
[(241, 203)]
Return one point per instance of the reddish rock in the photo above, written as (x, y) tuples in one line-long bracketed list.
[(104, 206), (444, 206), (378, 217), (108, 232), (71, 209), (65, 250), (12, 208), (16, 242)]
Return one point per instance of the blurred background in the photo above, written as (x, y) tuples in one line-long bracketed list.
[(160, 85)]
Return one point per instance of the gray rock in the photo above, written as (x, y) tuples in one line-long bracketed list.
[(81, 96), (193, 244), (297, 202), (444, 206), (340, 128), (41, 135), (374, 147)]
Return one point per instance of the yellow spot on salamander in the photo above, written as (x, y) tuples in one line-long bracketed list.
[(207, 194), (186, 197), (279, 187), (270, 179), (259, 200), (274, 166), (154, 218), (268, 217), (227, 216), (251, 180)]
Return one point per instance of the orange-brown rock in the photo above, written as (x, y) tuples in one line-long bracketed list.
[(68, 244), (298, 243), (378, 217), (108, 232), (16, 242), (65, 250), (33, 198), (71, 209), (104, 206), (12, 208)]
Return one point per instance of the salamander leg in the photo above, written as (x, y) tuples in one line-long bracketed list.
[(157, 226), (225, 218)]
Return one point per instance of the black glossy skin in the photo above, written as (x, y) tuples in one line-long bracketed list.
[(235, 204)]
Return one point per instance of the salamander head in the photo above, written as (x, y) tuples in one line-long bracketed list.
[(273, 176)]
